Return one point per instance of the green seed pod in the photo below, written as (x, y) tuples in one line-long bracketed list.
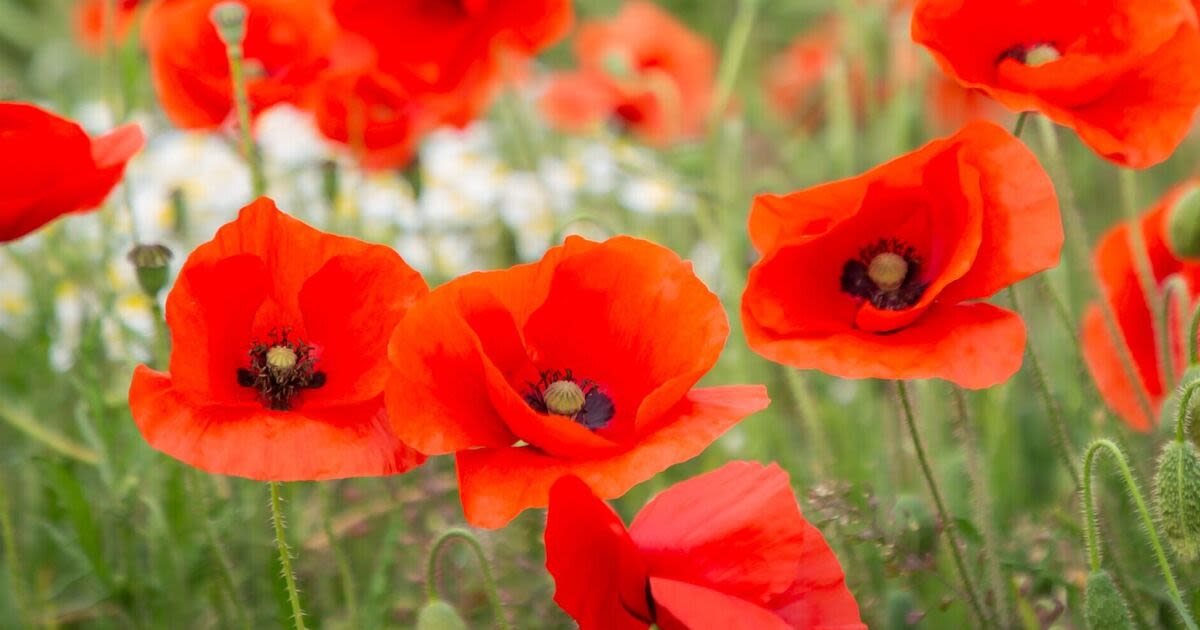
[(1103, 607), (916, 528), (150, 262), (1177, 497), (230, 20), (1183, 225), (438, 615)]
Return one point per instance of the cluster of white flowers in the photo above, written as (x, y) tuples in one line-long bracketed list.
[(468, 202)]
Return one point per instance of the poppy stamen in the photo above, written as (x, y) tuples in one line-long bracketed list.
[(1032, 55), (886, 274), (281, 369), (561, 394)]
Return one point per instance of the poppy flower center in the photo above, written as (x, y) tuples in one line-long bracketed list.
[(281, 369), (561, 394), (1033, 55), (886, 274)]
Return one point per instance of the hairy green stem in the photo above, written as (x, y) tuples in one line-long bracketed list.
[(1077, 244), (485, 570), (1091, 525), (944, 515), (731, 58), (1182, 414), (985, 514), (1193, 331), (233, 34), (1062, 435), (1175, 288), (285, 555)]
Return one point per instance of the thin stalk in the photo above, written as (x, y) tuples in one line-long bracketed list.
[(230, 19), (285, 555), (1077, 244), (1193, 331), (985, 514), (1061, 433), (731, 59), (1174, 288), (1020, 125), (218, 550), (808, 417), (13, 561), (1181, 414), (1144, 269), (347, 576), (943, 514), (1092, 529), (485, 570)]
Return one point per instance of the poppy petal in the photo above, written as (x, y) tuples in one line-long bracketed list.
[(974, 345), (737, 529), (496, 484), (599, 577), (818, 599), (684, 606), (253, 442)]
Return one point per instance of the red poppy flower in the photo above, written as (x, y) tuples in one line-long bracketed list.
[(794, 78), (453, 49), (1118, 276), (1115, 71), (865, 277), (286, 46), (50, 167), (279, 354), (728, 549), (642, 69), (582, 363), (90, 30)]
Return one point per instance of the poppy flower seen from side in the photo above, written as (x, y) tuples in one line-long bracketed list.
[(643, 70), (880, 275), (452, 52), (50, 167), (279, 354), (727, 549), (286, 47), (1114, 261), (583, 363), (89, 21), (1114, 71), (795, 77)]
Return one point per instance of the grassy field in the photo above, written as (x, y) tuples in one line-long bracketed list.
[(101, 531)]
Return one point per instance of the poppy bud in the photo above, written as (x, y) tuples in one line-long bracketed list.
[(150, 262), (230, 20), (1103, 607), (438, 615), (916, 528), (1177, 497), (1183, 225)]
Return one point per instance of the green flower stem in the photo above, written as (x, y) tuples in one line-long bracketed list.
[(233, 33), (950, 527), (731, 58), (200, 493), (349, 592), (1020, 125), (985, 514), (806, 409), (13, 561), (485, 570), (1077, 244), (1091, 527), (1193, 330), (1062, 435), (285, 555), (1174, 288), (1181, 414), (1143, 268)]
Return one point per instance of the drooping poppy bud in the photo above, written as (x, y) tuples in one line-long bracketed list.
[(916, 528), (1183, 225), (438, 615), (1103, 606), (1177, 497)]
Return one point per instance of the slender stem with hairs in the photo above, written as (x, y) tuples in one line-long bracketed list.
[(285, 556), (230, 20), (944, 515), (485, 571), (1091, 527)]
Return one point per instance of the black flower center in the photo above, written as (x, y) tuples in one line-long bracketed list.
[(561, 394), (280, 369), (1032, 55), (887, 274)]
